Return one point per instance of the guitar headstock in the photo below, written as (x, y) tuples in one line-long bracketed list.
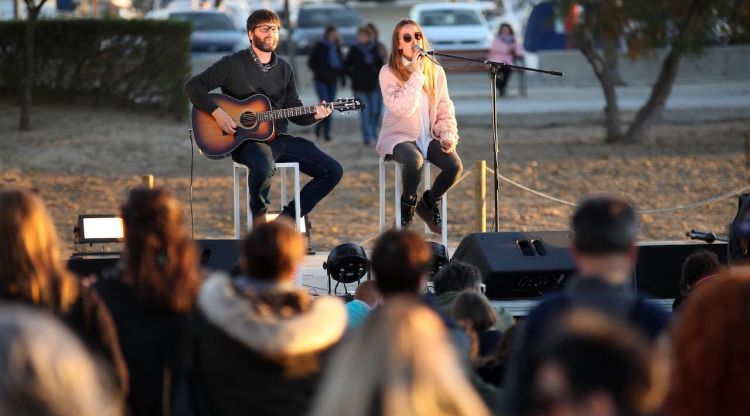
[(347, 104)]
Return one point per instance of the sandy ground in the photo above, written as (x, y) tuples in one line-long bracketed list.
[(84, 160)]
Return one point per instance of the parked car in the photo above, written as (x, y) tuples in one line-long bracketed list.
[(310, 21), (213, 31), (453, 26)]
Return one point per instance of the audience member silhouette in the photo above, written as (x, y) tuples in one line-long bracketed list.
[(151, 294), (592, 365), (698, 268), (261, 345), (711, 350), (32, 272), (47, 371), (604, 251), (401, 362)]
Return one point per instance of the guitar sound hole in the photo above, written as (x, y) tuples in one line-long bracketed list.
[(248, 120)]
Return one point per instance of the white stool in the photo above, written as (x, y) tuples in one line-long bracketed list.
[(280, 167), (397, 198)]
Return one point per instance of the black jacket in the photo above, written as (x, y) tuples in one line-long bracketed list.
[(364, 76), (243, 363), (321, 68)]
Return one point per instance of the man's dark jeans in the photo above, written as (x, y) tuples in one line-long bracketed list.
[(261, 159)]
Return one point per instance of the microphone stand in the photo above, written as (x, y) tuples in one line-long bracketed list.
[(494, 68)]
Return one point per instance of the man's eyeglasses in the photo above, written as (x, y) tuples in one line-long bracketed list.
[(407, 36), (265, 29)]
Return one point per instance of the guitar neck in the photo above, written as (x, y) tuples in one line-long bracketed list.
[(287, 112)]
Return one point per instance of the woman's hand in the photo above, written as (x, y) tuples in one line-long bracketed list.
[(417, 64), (447, 146)]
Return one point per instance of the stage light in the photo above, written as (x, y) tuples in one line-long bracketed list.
[(99, 229), (439, 257), (346, 263)]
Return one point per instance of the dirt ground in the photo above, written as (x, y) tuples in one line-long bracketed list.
[(84, 160)]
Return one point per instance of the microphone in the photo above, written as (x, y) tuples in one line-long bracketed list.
[(700, 235), (418, 49)]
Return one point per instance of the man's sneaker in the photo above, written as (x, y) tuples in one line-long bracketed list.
[(429, 211)]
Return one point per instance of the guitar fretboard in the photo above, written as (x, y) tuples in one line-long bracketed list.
[(287, 112)]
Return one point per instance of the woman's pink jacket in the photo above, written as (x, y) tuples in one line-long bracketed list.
[(402, 121)]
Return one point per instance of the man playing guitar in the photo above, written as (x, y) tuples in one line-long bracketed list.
[(259, 70)]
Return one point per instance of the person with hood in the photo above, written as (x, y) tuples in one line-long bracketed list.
[(259, 342)]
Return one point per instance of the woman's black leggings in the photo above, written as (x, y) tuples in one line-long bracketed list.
[(411, 160)]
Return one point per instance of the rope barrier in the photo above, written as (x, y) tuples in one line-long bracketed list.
[(697, 204)]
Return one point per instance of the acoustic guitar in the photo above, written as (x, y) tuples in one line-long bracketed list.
[(254, 118)]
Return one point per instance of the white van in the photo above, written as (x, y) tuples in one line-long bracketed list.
[(453, 26)]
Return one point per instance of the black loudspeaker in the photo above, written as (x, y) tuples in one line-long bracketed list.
[(85, 265), (220, 255), (659, 267), (518, 265)]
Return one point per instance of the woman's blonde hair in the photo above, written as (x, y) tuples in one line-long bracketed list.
[(400, 362), (47, 370), (31, 266), (401, 71)]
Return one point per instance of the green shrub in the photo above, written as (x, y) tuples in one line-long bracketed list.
[(132, 63)]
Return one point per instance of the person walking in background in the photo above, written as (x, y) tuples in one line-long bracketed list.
[(419, 124), (32, 272), (505, 48), (376, 37), (363, 65), (151, 295), (327, 65), (401, 362)]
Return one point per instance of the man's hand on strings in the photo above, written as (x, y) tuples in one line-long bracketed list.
[(322, 111), (224, 121)]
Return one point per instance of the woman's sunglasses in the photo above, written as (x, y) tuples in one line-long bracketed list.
[(407, 36)]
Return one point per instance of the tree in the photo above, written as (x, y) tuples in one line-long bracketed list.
[(32, 15), (682, 27)]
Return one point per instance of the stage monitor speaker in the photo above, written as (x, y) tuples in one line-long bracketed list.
[(84, 265), (659, 267), (517, 265), (220, 255)]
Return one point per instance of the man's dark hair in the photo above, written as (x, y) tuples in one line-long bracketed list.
[(329, 29), (600, 355), (456, 276), (400, 260), (262, 16), (604, 225), (700, 264)]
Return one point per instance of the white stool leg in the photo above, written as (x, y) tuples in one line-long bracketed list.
[(236, 200), (427, 184), (397, 191), (297, 208), (249, 214), (381, 190), (283, 187)]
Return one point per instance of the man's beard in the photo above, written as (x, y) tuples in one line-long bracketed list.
[(265, 45)]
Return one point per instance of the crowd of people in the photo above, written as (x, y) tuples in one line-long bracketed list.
[(156, 335)]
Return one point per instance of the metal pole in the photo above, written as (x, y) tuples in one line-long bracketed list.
[(495, 145)]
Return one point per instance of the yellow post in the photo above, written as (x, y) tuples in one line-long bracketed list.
[(148, 181), (480, 196)]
